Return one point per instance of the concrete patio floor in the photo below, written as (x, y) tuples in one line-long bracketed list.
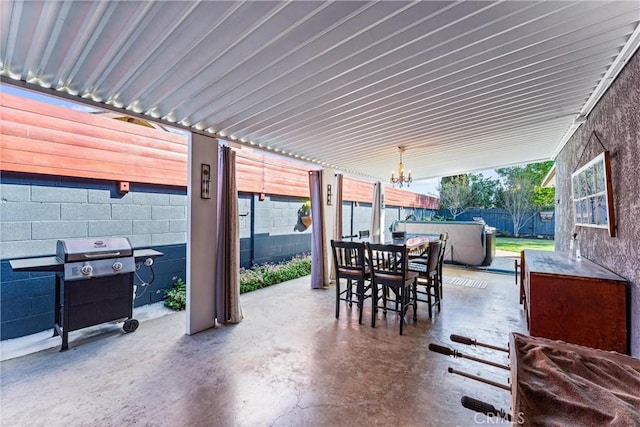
[(288, 363)]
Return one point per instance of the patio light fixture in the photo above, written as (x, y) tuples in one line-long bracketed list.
[(401, 178)]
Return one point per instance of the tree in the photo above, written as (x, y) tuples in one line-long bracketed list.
[(455, 194), (482, 190), (544, 197), (461, 192), (521, 195)]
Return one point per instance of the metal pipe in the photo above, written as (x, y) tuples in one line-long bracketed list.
[(477, 378), (470, 341), (454, 353)]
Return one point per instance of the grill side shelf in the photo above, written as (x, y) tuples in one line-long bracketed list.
[(51, 263), (48, 263)]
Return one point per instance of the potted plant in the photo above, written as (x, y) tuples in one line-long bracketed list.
[(304, 213)]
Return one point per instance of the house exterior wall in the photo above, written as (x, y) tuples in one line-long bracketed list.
[(616, 119)]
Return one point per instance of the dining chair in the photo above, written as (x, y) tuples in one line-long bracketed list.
[(350, 265), (444, 237), (427, 269), (390, 276)]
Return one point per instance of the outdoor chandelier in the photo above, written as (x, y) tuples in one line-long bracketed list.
[(401, 178)]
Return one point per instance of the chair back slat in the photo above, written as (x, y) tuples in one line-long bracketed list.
[(388, 263), (348, 257), (443, 238), (434, 257)]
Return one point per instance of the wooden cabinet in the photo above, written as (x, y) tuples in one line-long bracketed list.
[(578, 302)]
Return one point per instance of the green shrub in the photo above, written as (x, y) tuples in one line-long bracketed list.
[(176, 296), (256, 277), (261, 276)]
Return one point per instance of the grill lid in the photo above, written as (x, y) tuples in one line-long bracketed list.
[(70, 250)]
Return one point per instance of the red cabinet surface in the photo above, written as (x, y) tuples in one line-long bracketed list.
[(578, 302)]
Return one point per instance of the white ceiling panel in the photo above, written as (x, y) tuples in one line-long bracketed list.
[(464, 86)]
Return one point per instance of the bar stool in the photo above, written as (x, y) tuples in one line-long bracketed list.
[(390, 272), (427, 268), (349, 262)]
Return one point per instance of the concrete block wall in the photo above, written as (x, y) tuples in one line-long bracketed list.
[(38, 210), (245, 212), (278, 234), (278, 215), (391, 214), (361, 217), (355, 217), (346, 218)]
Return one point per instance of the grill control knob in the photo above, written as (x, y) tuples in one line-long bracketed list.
[(117, 266), (86, 270)]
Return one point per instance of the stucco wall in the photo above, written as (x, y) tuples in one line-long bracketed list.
[(616, 119)]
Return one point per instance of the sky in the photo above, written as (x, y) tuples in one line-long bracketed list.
[(430, 186)]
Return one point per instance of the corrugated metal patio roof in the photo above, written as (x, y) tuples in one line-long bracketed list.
[(463, 86)]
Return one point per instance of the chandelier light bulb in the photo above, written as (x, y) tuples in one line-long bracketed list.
[(401, 178)]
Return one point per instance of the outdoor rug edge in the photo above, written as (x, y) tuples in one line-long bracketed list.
[(461, 281)]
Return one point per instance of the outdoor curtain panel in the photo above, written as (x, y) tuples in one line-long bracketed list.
[(317, 230), (337, 211), (227, 284), (376, 212)]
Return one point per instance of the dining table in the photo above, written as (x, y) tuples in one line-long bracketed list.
[(416, 245)]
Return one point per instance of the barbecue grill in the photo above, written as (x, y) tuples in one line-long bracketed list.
[(85, 258), (96, 284), (94, 281)]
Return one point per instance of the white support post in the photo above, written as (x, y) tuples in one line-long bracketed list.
[(383, 228), (202, 234), (328, 178)]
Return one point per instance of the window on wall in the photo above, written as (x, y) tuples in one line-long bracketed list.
[(592, 194)]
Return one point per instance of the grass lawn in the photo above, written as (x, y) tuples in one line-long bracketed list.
[(513, 244)]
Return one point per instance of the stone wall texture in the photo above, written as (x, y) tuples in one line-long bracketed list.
[(616, 120)]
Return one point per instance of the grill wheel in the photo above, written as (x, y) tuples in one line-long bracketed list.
[(130, 325)]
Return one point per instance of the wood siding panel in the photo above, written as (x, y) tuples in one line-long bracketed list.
[(355, 190), (249, 175), (43, 135), (258, 173), (40, 138), (399, 197), (14, 160), (86, 120), (76, 157)]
